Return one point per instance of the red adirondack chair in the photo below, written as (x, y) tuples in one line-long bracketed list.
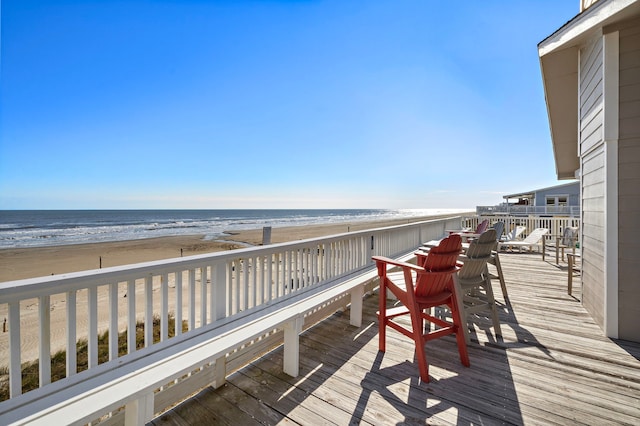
[(433, 286), (466, 235)]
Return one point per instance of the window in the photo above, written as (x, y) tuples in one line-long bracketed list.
[(557, 200)]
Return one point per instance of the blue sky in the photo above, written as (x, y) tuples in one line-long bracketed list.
[(273, 104)]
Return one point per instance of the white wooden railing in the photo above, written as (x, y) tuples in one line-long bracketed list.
[(518, 210), (202, 291), (555, 225)]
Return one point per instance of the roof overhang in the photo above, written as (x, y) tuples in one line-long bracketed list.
[(525, 195), (559, 65), (532, 193)]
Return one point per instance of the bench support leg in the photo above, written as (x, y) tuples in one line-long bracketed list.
[(356, 305), (292, 331), (139, 411), (219, 372)]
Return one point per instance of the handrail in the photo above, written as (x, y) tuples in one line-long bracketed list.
[(555, 224), (527, 210), (201, 290)]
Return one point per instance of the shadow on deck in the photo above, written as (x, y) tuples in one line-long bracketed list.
[(552, 365)]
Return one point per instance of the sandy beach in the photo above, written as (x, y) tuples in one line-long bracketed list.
[(16, 264)]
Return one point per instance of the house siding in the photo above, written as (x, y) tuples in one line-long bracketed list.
[(593, 219), (629, 182), (572, 192), (592, 159), (591, 95)]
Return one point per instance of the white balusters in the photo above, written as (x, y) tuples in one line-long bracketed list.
[(148, 311), (131, 316), (209, 287), (178, 323), (15, 374), (219, 290), (192, 299), (113, 321), (164, 309), (72, 357), (92, 332), (44, 318)]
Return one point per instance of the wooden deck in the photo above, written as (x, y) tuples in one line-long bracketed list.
[(553, 366)]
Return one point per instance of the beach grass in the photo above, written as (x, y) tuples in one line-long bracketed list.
[(30, 370)]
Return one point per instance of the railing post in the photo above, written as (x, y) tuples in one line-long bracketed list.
[(356, 305), (292, 331), (219, 371), (139, 411)]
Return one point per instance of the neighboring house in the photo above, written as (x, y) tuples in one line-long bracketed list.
[(591, 75), (559, 200)]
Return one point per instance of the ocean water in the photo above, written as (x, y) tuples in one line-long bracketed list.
[(39, 228)]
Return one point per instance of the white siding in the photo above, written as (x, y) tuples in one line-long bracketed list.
[(593, 219), (591, 101), (629, 183), (593, 176)]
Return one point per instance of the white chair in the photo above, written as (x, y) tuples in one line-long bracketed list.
[(534, 239), (514, 234), (475, 281)]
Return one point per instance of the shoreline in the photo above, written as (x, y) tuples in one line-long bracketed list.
[(33, 262)]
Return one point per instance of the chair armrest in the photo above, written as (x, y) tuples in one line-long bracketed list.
[(387, 261), (455, 231)]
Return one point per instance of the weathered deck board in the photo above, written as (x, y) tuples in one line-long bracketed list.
[(553, 365)]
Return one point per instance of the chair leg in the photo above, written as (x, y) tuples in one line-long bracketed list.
[(462, 333), (492, 305), (503, 285), (461, 319), (417, 324), (382, 317)]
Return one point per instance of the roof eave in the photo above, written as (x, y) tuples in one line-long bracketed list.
[(560, 82), (559, 65)]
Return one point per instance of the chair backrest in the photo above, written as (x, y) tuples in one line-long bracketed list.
[(482, 226), (439, 265), (499, 228), (477, 255), (535, 236), (518, 231), (569, 236), (515, 233)]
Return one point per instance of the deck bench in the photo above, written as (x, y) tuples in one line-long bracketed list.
[(92, 393)]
